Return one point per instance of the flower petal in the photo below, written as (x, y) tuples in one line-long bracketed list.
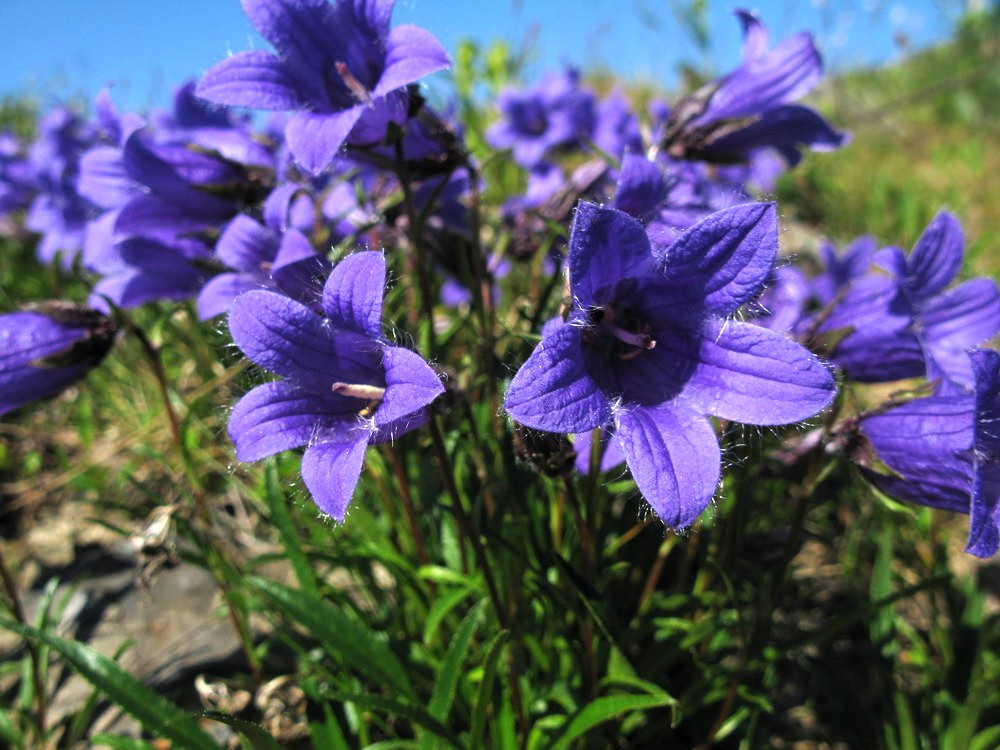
[(218, 294), (411, 384), (984, 523), (963, 316), (928, 444), (786, 128), (298, 269), (756, 376), (352, 295), (606, 246), (279, 416), (315, 137), (103, 180), (673, 455), (641, 187), (936, 257), (724, 260), (786, 73), (411, 53), (331, 472), (151, 216), (287, 338), (246, 245), (553, 390), (250, 79)]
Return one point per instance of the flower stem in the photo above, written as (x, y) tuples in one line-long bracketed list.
[(419, 262)]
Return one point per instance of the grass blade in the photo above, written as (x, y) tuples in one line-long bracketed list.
[(342, 636), (156, 713), (451, 671), (604, 709), (483, 697)]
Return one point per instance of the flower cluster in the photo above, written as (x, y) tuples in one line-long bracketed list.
[(678, 316)]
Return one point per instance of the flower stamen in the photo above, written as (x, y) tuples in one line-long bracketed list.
[(354, 390), (357, 89)]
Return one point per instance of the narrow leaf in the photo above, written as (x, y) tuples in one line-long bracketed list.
[(342, 636), (156, 713), (440, 609), (258, 737), (485, 694), (604, 709), (451, 671), (120, 743), (397, 708)]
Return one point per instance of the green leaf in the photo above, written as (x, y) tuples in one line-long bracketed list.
[(327, 735), (451, 671), (156, 713), (604, 709), (396, 708), (258, 737), (342, 636), (988, 739), (905, 724), (485, 693), (120, 743), (440, 609)]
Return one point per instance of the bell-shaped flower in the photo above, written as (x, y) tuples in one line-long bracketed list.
[(344, 385), (904, 321), (46, 349), (557, 112), (650, 349), (751, 108), (337, 63), (261, 258), (944, 452)]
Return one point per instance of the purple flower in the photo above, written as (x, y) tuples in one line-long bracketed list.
[(58, 212), (337, 65), (944, 451), (344, 385), (47, 349), (556, 112), (908, 323), (649, 349), (16, 176), (782, 305), (840, 270), (261, 258), (750, 109)]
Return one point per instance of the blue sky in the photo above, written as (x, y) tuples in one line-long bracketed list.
[(58, 48)]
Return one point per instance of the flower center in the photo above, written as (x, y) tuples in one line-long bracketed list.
[(618, 333), (371, 394), (357, 89)]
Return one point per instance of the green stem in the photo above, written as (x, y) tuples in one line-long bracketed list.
[(464, 522), (420, 261)]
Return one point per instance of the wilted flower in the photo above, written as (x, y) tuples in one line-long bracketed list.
[(648, 350), (345, 386)]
